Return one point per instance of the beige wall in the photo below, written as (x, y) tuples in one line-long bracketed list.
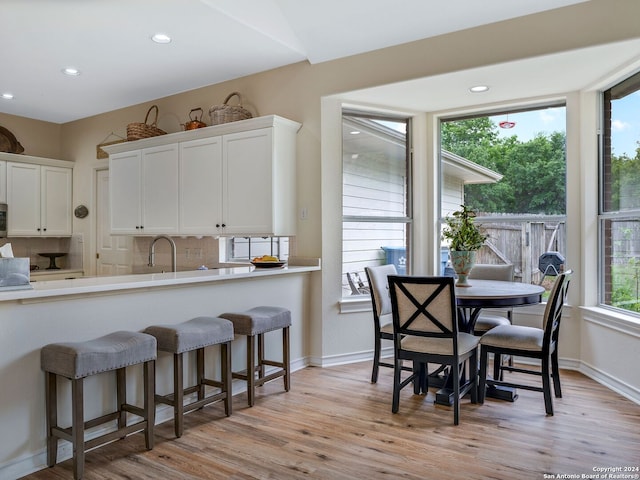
[(39, 139), (298, 91)]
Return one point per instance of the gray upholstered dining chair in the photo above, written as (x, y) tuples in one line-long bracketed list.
[(425, 322), (531, 342), (381, 303), (484, 271)]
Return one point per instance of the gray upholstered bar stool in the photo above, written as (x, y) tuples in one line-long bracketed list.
[(253, 323), (195, 335), (78, 360)]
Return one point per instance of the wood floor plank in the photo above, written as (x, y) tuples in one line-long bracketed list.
[(335, 424)]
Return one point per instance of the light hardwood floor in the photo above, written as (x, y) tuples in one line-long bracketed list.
[(335, 424)]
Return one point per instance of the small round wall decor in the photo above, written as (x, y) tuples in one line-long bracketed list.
[(81, 211)]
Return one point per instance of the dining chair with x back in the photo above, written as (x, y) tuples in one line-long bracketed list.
[(425, 323)]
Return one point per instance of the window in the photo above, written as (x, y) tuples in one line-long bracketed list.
[(619, 219), (376, 193), (510, 168), (246, 248)]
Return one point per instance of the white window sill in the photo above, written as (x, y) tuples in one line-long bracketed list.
[(612, 318), (355, 304)]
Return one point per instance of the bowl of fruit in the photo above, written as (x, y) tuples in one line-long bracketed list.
[(267, 261)]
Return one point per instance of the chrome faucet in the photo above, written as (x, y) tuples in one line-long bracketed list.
[(152, 251)]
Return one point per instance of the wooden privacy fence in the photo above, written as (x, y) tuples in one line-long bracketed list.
[(522, 243)]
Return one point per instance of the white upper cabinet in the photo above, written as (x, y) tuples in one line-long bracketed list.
[(248, 182), (3, 181), (56, 206), (143, 193), (39, 199), (232, 179), (160, 189), (201, 186)]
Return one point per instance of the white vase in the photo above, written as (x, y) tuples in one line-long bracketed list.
[(462, 263)]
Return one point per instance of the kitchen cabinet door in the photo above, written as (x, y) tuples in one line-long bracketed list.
[(40, 200), (248, 182), (201, 186), (143, 190), (125, 192), (160, 190), (23, 199), (55, 201), (3, 181)]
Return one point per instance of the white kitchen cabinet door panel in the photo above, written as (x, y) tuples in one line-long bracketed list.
[(3, 181), (160, 190), (201, 186), (248, 182), (23, 199), (125, 192), (55, 212)]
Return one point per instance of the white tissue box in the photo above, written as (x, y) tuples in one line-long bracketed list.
[(14, 273)]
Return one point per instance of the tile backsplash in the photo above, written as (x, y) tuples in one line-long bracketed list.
[(30, 247), (191, 252)]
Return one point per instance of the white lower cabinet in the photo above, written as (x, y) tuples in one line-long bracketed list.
[(39, 198), (231, 179), (143, 192)]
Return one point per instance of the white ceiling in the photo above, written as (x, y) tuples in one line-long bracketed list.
[(218, 40), (535, 79)]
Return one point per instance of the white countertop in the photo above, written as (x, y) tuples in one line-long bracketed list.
[(88, 285)]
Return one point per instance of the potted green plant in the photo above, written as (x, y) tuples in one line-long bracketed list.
[(465, 239)]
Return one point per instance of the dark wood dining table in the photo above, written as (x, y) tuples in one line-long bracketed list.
[(487, 294), (492, 294)]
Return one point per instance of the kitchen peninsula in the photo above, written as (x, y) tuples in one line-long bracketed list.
[(85, 308)]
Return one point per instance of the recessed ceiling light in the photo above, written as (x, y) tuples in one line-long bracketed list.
[(478, 88), (71, 71), (7, 96), (354, 132), (161, 38)]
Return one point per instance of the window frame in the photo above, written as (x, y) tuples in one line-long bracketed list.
[(407, 220), (605, 211), (506, 219)]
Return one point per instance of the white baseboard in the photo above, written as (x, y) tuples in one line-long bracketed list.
[(612, 383)]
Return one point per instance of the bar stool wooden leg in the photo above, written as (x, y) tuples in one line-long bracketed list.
[(225, 367), (285, 358), (51, 393), (251, 377), (77, 426), (178, 394), (260, 355), (149, 403), (121, 397), (200, 373)]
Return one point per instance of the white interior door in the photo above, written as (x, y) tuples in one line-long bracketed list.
[(113, 251)]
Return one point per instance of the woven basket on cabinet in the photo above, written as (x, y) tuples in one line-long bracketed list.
[(137, 130), (228, 113)]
